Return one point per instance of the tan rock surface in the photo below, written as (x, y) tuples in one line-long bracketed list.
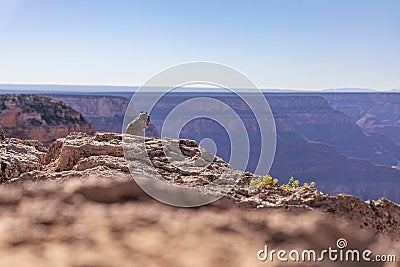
[(20, 156), (105, 221), (77, 205)]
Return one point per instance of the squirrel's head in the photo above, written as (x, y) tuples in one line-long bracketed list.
[(145, 116)]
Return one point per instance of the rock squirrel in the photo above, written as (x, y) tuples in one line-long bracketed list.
[(2, 137), (139, 124)]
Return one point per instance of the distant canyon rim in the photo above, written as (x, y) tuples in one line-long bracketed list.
[(345, 142)]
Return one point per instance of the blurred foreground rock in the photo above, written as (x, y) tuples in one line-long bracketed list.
[(76, 204)]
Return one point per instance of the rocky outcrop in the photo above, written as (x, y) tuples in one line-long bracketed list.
[(78, 195), (20, 156), (99, 159), (113, 224), (39, 118), (317, 139), (65, 153)]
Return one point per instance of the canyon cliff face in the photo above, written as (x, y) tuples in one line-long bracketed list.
[(40, 118), (377, 113), (317, 121), (79, 193), (315, 141), (107, 113)]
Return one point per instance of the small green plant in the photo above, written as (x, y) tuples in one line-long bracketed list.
[(267, 181), (312, 185), (291, 185)]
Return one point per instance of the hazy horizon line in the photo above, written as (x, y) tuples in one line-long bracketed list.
[(44, 86)]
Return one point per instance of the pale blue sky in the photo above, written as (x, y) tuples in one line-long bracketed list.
[(278, 44)]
